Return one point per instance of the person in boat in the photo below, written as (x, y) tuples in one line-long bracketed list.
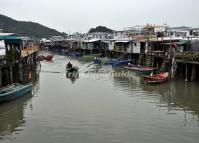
[(69, 65), (130, 64)]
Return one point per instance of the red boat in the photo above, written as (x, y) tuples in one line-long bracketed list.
[(157, 78), (49, 58)]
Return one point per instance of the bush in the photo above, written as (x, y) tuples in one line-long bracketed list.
[(190, 56)]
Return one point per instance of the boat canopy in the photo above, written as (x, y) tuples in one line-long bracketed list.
[(175, 44)]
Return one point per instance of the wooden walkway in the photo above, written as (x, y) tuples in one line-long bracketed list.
[(29, 51)]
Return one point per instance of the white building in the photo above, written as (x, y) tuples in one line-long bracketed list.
[(182, 31), (195, 31), (2, 47), (57, 38), (74, 37), (98, 36), (97, 40)]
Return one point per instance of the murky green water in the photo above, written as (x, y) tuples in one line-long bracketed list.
[(101, 109)]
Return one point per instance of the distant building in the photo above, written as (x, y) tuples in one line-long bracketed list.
[(195, 31), (96, 40), (75, 36), (46, 42), (98, 36), (182, 31), (124, 34), (57, 40), (2, 47)]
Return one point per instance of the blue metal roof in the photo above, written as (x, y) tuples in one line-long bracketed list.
[(10, 38)]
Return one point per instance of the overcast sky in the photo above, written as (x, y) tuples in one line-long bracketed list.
[(81, 15)]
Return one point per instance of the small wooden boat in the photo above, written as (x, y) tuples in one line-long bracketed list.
[(64, 51), (49, 58), (157, 78), (143, 70), (73, 76), (14, 91), (97, 61), (72, 69)]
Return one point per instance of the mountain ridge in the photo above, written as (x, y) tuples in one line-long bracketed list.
[(27, 28)]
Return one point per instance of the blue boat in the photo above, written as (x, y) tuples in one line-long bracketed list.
[(65, 51), (115, 62), (74, 54), (14, 91), (99, 61)]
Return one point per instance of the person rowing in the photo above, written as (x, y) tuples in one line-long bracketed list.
[(69, 65)]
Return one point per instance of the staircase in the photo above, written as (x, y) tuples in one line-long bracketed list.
[(163, 66)]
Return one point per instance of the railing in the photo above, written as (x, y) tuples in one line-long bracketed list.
[(29, 51), (157, 53), (119, 49)]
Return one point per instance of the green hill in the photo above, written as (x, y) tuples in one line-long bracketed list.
[(30, 29)]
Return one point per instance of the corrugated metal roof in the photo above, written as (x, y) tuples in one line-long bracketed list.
[(10, 37), (93, 40), (122, 41)]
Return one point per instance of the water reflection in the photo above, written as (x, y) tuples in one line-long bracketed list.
[(72, 76), (102, 109), (12, 115), (175, 95), (178, 94)]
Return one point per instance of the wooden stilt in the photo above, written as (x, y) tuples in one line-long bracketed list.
[(193, 74), (0, 78), (11, 75), (186, 74), (20, 72)]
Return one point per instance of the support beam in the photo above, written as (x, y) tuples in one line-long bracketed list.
[(11, 75), (20, 72), (186, 73), (193, 74), (0, 78)]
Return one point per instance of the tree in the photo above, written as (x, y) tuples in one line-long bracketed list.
[(100, 29)]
